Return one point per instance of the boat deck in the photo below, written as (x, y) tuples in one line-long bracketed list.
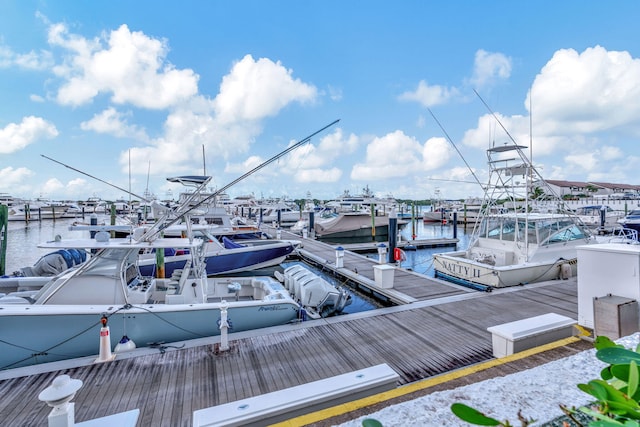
[(443, 329)]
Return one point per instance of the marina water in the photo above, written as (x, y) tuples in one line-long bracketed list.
[(23, 239)]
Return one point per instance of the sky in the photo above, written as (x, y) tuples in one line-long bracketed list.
[(126, 94)]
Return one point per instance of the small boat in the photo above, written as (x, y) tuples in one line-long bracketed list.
[(62, 319), (318, 297)]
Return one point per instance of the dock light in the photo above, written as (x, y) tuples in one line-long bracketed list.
[(58, 395)]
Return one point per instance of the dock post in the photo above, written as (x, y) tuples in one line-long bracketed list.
[(105, 354), (393, 232), (4, 218), (224, 326), (455, 224), (312, 230)]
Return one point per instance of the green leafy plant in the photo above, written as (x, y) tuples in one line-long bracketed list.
[(616, 392)]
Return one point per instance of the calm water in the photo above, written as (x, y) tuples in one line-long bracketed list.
[(22, 241), (22, 250)]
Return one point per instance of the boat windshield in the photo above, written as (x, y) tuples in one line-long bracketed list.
[(559, 231), (510, 229)]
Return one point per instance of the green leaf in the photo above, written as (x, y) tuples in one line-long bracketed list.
[(633, 379), (603, 342), (617, 355), (473, 416), (620, 372), (606, 374)]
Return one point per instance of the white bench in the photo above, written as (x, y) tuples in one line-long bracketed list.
[(509, 338), (291, 402)]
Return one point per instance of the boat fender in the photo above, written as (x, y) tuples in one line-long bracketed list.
[(125, 344)]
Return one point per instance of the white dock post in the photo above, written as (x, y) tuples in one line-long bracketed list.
[(339, 257), (58, 395), (382, 252), (105, 343), (224, 326)]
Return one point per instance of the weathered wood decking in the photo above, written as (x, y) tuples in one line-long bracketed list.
[(444, 329)]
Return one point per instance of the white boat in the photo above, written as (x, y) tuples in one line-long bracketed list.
[(319, 297), (62, 320), (279, 212), (592, 215), (522, 245), (353, 226)]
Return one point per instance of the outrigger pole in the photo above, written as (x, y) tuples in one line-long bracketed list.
[(153, 232), (96, 178)]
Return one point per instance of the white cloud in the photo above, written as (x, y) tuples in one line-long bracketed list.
[(132, 68), (254, 90), (52, 186), (28, 61), (397, 155), (311, 163), (13, 180), (429, 95), (36, 98), (228, 125), (112, 122), (15, 137), (593, 91), (489, 67), (244, 167)]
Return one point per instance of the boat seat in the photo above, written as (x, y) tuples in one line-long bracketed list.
[(174, 294)]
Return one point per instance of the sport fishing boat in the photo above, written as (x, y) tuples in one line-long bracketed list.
[(515, 242), (62, 319)]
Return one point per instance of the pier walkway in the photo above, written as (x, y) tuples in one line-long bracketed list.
[(438, 329)]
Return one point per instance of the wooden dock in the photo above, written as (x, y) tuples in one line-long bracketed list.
[(437, 328)]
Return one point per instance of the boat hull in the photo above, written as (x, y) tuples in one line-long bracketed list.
[(223, 262), (39, 334), (456, 268)]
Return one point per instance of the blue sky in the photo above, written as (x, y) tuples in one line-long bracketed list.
[(135, 92)]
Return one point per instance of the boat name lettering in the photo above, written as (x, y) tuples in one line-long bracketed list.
[(460, 269), (272, 308)]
